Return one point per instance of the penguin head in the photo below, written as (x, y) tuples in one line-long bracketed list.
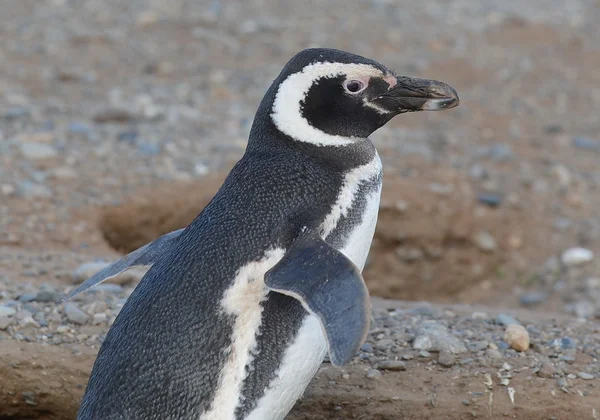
[(333, 98)]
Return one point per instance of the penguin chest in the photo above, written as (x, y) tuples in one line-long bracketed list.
[(350, 225)]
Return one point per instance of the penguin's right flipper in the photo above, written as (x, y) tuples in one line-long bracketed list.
[(330, 287), (144, 256)]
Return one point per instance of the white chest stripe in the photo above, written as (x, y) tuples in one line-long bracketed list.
[(350, 186), (286, 112), (241, 300)]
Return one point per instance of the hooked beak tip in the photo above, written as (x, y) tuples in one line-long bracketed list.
[(443, 97)]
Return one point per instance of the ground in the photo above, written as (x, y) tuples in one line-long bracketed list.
[(118, 121)]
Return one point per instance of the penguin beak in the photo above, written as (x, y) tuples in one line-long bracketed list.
[(411, 94)]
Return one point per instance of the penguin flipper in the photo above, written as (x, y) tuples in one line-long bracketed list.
[(144, 256), (330, 287)]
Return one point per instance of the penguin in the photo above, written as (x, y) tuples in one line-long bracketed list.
[(238, 310)]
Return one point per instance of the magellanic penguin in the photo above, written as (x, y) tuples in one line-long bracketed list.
[(238, 310)]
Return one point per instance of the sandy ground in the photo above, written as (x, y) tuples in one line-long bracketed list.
[(118, 122)]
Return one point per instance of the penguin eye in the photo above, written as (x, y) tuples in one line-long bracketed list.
[(354, 86)]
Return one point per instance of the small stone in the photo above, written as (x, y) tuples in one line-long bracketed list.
[(75, 315), (576, 256), (546, 371), (489, 198), (476, 346), (100, 318), (485, 241), (586, 143), (6, 311), (409, 254), (392, 365), (585, 376), (384, 344), (37, 151), (79, 128), (493, 354), (436, 337), (500, 152), (29, 189), (27, 297), (63, 329), (5, 322), (506, 320), (534, 298), (114, 115), (446, 358), (517, 337), (48, 296), (374, 374), (479, 315), (424, 353), (367, 348)]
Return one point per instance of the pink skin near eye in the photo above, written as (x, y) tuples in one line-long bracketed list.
[(391, 80)]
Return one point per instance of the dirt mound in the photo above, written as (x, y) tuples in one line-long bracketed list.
[(430, 243)]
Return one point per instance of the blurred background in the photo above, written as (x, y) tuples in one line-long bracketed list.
[(118, 121)]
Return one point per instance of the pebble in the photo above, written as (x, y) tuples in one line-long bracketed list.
[(493, 354), (446, 358), (409, 254), (490, 199), (37, 151), (576, 256), (485, 241), (534, 298), (586, 143), (585, 376), (367, 348), (506, 320), (384, 344), (75, 315), (546, 371), (29, 189), (5, 322), (6, 311), (436, 337), (48, 296), (374, 374), (392, 365), (517, 337)]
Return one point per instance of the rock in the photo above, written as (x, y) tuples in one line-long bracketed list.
[(576, 256), (586, 143), (367, 348), (6, 311), (99, 318), (485, 241), (114, 115), (490, 199), (75, 315), (436, 337), (87, 270), (27, 297), (5, 322), (29, 189), (409, 254), (79, 128), (476, 346), (149, 149), (446, 358), (384, 344), (493, 354), (374, 374), (392, 365), (546, 371), (517, 337), (500, 152), (565, 343), (37, 151), (48, 296), (506, 320), (585, 376), (534, 298)]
